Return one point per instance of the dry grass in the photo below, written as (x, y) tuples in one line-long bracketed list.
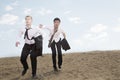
[(97, 65)]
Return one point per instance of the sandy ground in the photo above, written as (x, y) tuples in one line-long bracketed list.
[(95, 65)]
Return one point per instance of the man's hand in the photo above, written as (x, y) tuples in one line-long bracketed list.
[(40, 26), (17, 43), (64, 35)]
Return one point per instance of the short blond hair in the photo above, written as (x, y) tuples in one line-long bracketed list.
[(28, 16)]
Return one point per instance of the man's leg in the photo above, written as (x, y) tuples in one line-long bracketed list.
[(59, 54), (25, 53), (54, 55), (33, 58)]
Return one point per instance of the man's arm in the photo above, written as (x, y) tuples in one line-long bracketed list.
[(18, 38), (63, 33), (44, 27)]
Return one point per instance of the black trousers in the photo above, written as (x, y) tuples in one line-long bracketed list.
[(57, 45), (29, 49)]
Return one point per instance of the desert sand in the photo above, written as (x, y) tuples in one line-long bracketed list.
[(94, 65)]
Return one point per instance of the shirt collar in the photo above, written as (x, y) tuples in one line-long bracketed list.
[(58, 27), (28, 27)]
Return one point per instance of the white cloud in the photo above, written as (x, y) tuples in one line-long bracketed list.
[(67, 12), (98, 28), (116, 29), (101, 36), (8, 19), (97, 32), (75, 20), (8, 8), (44, 11), (27, 11)]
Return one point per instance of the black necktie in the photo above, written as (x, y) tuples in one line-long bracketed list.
[(26, 34), (52, 35)]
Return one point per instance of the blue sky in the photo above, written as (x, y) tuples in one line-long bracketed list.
[(89, 24)]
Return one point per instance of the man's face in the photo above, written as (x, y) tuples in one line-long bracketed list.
[(56, 23), (28, 20)]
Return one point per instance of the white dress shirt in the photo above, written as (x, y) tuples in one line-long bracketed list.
[(32, 32), (57, 35)]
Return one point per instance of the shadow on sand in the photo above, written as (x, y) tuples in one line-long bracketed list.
[(39, 77)]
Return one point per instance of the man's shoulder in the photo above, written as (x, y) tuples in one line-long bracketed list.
[(60, 28)]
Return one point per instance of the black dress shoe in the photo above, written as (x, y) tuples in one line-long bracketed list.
[(34, 76), (24, 72), (55, 69), (59, 67)]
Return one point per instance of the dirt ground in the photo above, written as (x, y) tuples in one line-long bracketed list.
[(94, 65)]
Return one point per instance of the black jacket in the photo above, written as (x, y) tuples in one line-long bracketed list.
[(39, 45), (65, 45)]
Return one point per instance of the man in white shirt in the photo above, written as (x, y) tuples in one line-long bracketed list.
[(29, 46), (55, 42)]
